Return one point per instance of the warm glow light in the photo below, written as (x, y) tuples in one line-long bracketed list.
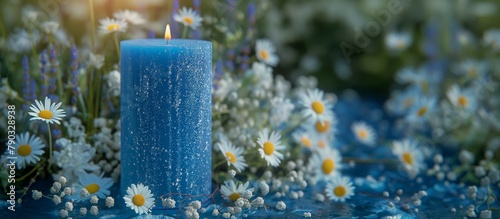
[(168, 36)]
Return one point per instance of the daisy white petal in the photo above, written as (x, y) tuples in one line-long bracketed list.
[(47, 112)]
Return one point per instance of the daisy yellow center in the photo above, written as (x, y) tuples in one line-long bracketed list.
[(268, 148), (113, 27), (407, 158), (463, 101), (408, 102), (362, 134), (188, 20), (425, 86), (234, 196), (24, 150), (422, 111), (306, 142), (472, 72), (318, 107), (230, 156), (328, 166), (45, 114), (340, 191), (322, 144), (138, 200), (322, 127), (400, 44), (264, 54), (92, 188)]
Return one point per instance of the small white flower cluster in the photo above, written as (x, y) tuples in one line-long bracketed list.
[(73, 158), (192, 210), (60, 192), (107, 146)]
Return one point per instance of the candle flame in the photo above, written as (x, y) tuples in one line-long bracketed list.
[(168, 36)]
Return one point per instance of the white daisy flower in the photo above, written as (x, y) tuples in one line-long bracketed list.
[(402, 101), (133, 17), (471, 69), (233, 155), (462, 98), (95, 185), (303, 138), (189, 18), (491, 38), (398, 41), (28, 149), (111, 25), (339, 189), (48, 112), (270, 144), (232, 192), (266, 52), (139, 199), (409, 155), (315, 106), (421, 110), (364, 133), (326, 163)]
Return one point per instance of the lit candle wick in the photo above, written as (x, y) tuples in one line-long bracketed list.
[(168, 36)]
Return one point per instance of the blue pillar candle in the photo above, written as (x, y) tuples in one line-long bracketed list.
[(166, 116)]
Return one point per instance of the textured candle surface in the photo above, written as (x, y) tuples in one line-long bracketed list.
[(166, 114)]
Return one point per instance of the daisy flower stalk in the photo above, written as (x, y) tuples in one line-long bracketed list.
[(50, 113)]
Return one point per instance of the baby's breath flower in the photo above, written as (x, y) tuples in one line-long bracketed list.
[(168, 202), (110, 202), (83, 211), (68, 206), (84, 193), (239, 203), (195, 205), (63, 213), (280, 206), (94, 210), (94, 199), (215, 212), (258, 202), (36, 194), (63, 180), (67, 191), (56, 199)]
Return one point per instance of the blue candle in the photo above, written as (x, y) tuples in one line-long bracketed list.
[(166, 116)]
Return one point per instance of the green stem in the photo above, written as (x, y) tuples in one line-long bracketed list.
[(115, 38), (50, 147), (184, 32), (219, 164), (38, 165), (92, 25)]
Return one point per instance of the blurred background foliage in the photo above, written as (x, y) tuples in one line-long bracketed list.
[(307, 34)]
